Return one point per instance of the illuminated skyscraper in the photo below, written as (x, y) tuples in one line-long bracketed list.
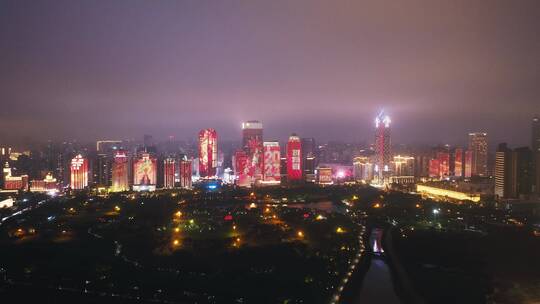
[(382, 147), (403, 165), (503, 171), (241, 169), (185, 174), (272, 160), (207, 153), (79, 173), (513, 172), (252, 143), (294, 158), (363, 168), (478, 145), (120, 172), (458, 162), (145, 173), (467, 173), (169, 171)]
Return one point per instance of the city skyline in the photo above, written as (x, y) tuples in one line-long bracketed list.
[(323, 68)]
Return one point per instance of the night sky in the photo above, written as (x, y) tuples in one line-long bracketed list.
[(119, 69)]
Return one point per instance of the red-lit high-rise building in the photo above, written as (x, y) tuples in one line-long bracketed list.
[(145, 173), (252, 144), (468, 164), (444, 163), (207, 153), (169, 171), (458, 162), (185, 174), (272, 160), (242, 169), (383, 156), (294, 158), (79, 173), (120, 171)]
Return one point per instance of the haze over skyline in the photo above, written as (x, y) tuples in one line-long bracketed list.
[(323, 69)]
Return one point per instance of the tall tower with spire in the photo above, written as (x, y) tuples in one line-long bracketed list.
[(382, 147)]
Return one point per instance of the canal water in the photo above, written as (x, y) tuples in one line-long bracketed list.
[(377, 286)]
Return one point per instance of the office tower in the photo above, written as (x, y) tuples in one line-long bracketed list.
[(102, 170), (207, 153), (382, 147), (514, 172), (120, 171), (252, 143), (522, 163), (145, 172), (535, 140), (468, 163), (169, 172), (241, 169), (478, 145), (79, 172), (272, 157), (185, 174), (421, 165), (458, 162), (503, 170), (308, 157), (362, 168), (435, 168), (403, 165), (444, 163), (294, 158)]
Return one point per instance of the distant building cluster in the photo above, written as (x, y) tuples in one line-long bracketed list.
[(125, 165)]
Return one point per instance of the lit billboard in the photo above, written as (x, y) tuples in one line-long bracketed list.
[(144, 173), (272, 159)]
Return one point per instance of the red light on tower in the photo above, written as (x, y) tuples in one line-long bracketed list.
[(207, 152), (294, 158), (79, 172)]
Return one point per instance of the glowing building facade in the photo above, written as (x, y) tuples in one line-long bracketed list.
[(185, 174), (79, 173), (383, 155), (458, 162), (169, 172), (467, 173), (272, 162), (362, 168), (478, 145), (120, 172), (252, 144), (14, 182), (145, 173), (242, 169), (48, 184), (208, 153), (294, 158)]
